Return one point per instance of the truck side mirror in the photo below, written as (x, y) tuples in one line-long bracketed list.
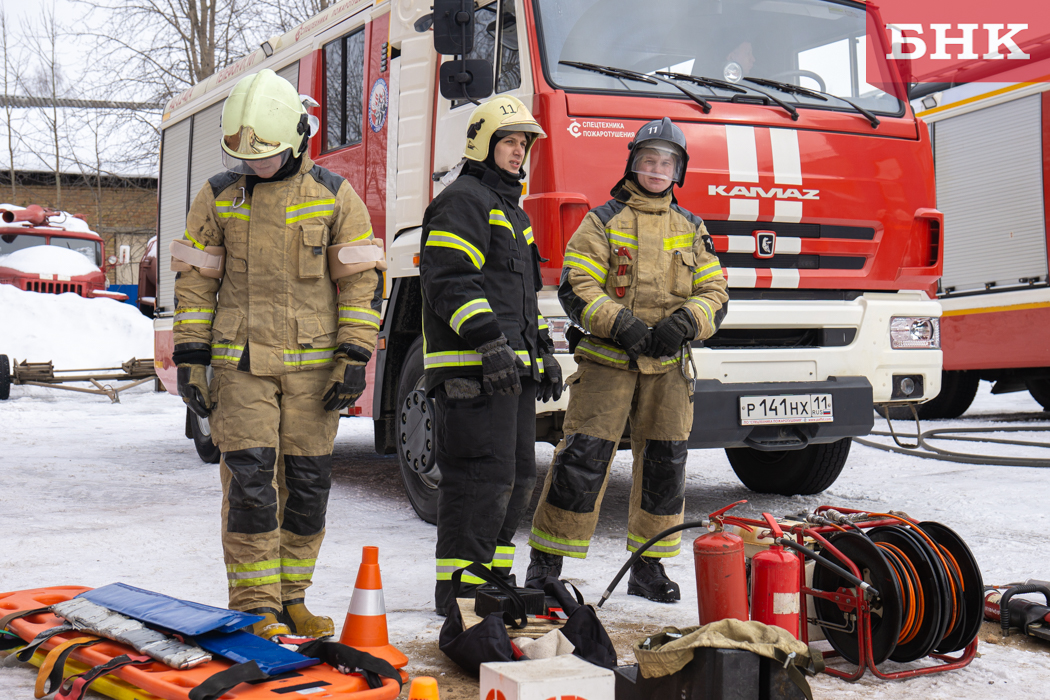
[(466, 79), (453, 27)]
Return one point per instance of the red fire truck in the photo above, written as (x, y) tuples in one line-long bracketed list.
[(992, 149), (817, 188), (42, 250)]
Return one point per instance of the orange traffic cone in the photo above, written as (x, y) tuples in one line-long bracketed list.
[(365, 625), (424, 688)]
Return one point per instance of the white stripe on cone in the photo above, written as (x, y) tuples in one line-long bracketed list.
[(367, 602)]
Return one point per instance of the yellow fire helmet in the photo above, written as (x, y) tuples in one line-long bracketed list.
[(501, 114), (264, 117)]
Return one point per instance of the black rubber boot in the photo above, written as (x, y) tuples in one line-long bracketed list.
[(542, 565), (649, 580)]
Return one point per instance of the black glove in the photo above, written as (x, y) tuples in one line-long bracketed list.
[(631, 334), (670, 334), (347, 382), (193, 388), (550, 385), (499, 368)]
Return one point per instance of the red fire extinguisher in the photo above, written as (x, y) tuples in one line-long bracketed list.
[(775, 585), (721, 583)]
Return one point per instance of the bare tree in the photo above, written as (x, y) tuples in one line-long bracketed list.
[(281, 16), (12, 79), (163, 46), (43, 44)]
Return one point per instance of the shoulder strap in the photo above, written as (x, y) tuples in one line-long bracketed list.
[(607, 211), (518, 619), (693, 218), (222, 181), (330, 180)]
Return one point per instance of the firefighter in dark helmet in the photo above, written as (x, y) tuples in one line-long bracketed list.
[(642, 281), (278, 291), (488, 355)]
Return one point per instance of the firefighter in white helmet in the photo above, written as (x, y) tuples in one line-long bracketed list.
[(488, 354), (642, 281), (278, 291)]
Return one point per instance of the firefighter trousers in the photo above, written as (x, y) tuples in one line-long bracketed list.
[(276, 441), (486, 448), (601, 400)]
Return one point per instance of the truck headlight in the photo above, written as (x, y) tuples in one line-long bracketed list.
[(915, 332), (558, 326)]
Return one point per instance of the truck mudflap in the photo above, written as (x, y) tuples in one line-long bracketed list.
[(717, 420)]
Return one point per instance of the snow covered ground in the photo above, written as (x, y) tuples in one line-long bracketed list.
[(93, 492)]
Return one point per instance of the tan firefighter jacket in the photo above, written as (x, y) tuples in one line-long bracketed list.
[(645, 254), (276, 297)]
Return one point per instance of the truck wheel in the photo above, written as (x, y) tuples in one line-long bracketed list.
[(789, 472), (416, 445), (200, 432), (958, 388), (1038, 388), (5, 378)]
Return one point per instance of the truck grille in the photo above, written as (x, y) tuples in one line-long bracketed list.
[(759, 338), (49, 287)]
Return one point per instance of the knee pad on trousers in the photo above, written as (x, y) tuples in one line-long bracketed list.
[(309, 480), (578, 473), (252, 497), (663, 476)]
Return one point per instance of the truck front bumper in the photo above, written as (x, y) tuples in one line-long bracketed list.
[(716, 414)]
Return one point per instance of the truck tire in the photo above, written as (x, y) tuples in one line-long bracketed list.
[(1038, 388), (198, 430), (789, 472), (958, 389), (5, 378), (416, 444)]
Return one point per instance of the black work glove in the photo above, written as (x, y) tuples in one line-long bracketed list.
[(631, 334), (193, 388), (347, 382), (499, 368), (550, 385), (670, 334)]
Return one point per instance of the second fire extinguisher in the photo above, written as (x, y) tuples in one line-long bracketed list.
[(775, 585)]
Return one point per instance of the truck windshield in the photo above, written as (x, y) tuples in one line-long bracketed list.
[(817, 44), (10, 242), (92, 250)]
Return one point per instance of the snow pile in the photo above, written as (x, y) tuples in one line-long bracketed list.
[(49, 259), (71, 331)]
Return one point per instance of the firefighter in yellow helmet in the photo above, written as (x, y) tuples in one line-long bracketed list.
[(488, 354), (278, 291)]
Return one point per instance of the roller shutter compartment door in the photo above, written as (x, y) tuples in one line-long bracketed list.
[(174, 171), (990, 188)]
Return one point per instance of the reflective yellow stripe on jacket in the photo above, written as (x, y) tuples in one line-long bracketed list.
[(226, 210), (359, 314), (309, 210), (581, 262), (471, 308), (308, 356), (446, 239)]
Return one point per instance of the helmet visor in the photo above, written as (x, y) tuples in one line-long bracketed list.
[(262, 167), (658, 164)]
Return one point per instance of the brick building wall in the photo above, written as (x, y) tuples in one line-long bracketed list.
[(124, 213)]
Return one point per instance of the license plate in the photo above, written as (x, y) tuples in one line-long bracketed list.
[(794, 408)]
